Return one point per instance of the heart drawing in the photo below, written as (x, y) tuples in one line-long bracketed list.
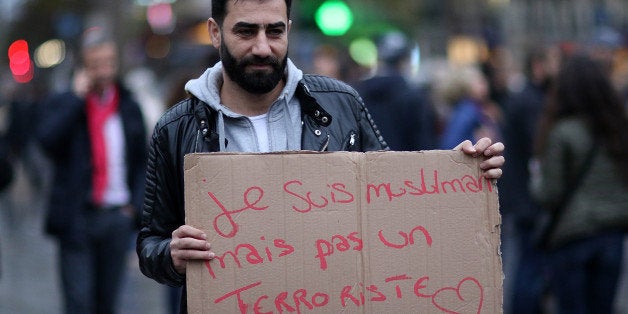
[(460, 299)]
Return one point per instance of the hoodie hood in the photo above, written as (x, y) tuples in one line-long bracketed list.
[(284, 115)]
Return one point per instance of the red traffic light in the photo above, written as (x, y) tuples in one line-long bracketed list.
[(20, 61)]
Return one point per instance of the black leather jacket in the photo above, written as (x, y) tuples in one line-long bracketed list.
[(334, 119)]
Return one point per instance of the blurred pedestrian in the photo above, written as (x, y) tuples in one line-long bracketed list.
[(495, 69), (520, 211), (29, 161), (604, 46), (6, 162), (327, 61), (6, 166), (6, 171), (94, 135), (472, 114), (254, 100), (583, 138), (403, 111)]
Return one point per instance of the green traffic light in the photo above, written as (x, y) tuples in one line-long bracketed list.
[(334, 18), (364, 52)]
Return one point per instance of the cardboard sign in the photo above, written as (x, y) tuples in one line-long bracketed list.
[(378, 232)]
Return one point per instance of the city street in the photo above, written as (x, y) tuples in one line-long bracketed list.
[(29, 281)]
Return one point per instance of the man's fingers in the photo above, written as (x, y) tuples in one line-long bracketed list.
[(482, 144), (493, 173), (495, 149), (185, 249), (493, 162), (188, 231), (189, 244), (485, 147), (193, 255), (465, 145), (479, 148), (181, 257)]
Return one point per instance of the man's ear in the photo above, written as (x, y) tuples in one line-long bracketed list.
[(214, 33)]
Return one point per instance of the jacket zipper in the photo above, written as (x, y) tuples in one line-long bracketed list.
[(324, 148), (349, 144)]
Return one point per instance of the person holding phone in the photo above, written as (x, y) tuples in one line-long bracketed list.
[(95, 137)]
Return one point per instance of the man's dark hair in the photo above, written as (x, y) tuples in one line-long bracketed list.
[(219, 9)]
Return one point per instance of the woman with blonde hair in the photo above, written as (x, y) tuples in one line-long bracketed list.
[(473, 114)]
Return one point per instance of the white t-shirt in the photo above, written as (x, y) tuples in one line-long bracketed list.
[(260, 124), (117, 192)]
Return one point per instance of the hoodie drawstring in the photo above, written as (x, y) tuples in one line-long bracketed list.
[(287, 123), (221, 131)]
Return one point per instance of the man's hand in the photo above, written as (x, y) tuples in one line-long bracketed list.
[(81, 83), (492, 152), (188, 243)]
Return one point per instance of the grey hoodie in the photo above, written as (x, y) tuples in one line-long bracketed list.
[(284, 115)]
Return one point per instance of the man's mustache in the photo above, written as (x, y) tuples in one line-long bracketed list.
[(260, 61)]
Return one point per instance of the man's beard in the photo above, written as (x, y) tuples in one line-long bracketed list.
[(256, 82)]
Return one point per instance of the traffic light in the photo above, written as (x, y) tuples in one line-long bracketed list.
[(20, 61), (363, 51), (334, 18)]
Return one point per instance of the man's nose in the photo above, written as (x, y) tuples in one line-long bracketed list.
[(261, 46)]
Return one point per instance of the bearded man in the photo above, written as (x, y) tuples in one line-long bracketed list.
[(254, 100)]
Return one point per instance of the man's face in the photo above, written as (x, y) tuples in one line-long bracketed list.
[(253, 43), (101, 65)]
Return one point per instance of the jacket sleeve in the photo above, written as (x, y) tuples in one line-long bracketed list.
[(371, 138), (162, 212), (58, 118)]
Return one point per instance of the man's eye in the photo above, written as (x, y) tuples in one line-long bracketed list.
[(246, 32), (275, 32)]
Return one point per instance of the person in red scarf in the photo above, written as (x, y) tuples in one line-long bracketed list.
[(95, 137)]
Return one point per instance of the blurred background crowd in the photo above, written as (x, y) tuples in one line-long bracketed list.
[(432, 73)]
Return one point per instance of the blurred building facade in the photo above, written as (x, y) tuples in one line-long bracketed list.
[(432, 23)]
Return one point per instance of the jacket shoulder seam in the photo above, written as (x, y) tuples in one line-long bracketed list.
[(320, 83), (177, 112)]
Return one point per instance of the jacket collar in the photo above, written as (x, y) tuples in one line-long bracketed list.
[(311, 108), (310, 111)]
